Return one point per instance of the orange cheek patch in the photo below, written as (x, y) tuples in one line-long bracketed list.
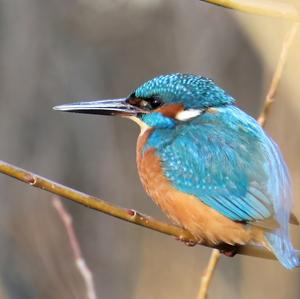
[(170, 110)]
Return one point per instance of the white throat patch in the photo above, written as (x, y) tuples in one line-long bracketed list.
[(188, 114), (141, 124)]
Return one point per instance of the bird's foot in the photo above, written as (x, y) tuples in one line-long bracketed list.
[(189, 243), (228, 250)]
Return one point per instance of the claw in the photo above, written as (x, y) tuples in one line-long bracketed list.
[(228, 250), (189, 243)]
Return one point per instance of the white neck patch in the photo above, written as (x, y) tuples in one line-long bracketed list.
[(188, 114), (141, 124)]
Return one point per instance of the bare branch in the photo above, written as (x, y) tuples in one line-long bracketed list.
[(278, 73), (208, 273), (270, 8), (114, 210), (79, 260)]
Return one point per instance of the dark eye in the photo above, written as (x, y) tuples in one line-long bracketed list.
[(144, 103), (155, 103)]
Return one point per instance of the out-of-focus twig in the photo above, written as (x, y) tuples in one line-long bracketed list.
[(114, 210), (278, 73), (79, 260), (208, 273), (215, 255), (270, 8)]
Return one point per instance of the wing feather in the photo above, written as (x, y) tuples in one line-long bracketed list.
[(226, 160)]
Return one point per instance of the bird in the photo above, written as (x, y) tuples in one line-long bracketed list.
[(209, 166)]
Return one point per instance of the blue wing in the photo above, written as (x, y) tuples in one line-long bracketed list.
[(227, 161)]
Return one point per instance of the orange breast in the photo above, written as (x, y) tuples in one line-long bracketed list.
[(186, 210)]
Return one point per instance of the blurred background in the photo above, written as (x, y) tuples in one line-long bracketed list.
[(52, 52)]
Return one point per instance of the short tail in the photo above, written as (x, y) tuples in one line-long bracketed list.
[(282, 247), (279, 241)]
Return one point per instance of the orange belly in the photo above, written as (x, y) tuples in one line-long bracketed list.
[(206, 224)]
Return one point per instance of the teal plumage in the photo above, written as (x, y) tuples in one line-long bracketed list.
[(200, 146), (223, 158), (219, 162), (194, 91)]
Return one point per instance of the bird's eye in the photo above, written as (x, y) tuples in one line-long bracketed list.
[(155, 103), (144, 103), (150, 103)]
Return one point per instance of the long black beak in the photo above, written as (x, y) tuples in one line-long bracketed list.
[(103, 107)]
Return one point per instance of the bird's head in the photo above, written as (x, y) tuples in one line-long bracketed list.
[(161, 102)]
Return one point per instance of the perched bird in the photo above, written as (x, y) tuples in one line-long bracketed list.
[(208, 165)]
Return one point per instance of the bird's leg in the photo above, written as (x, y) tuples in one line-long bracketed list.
[(189, 243), (228, 250)]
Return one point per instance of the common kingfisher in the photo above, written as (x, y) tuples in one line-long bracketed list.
[(208, 165)]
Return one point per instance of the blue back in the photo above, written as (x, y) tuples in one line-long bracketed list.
[(225, 159)]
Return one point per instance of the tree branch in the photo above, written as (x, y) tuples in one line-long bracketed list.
[(208, 273), (114, 210), (278, 73), (84, 270), (261, 7)]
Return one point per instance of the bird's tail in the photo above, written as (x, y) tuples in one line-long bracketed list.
[(279, 241), (280, 244)]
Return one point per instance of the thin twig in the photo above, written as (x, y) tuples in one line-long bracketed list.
[(208, 273), (269, 8), (278, 73), (215, 255), (79, 260), (114, 210)]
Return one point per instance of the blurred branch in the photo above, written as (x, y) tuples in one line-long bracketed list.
[(207, 275), (79, 260), (215, 255), (270, 8), (278, 73), (116, 211)]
